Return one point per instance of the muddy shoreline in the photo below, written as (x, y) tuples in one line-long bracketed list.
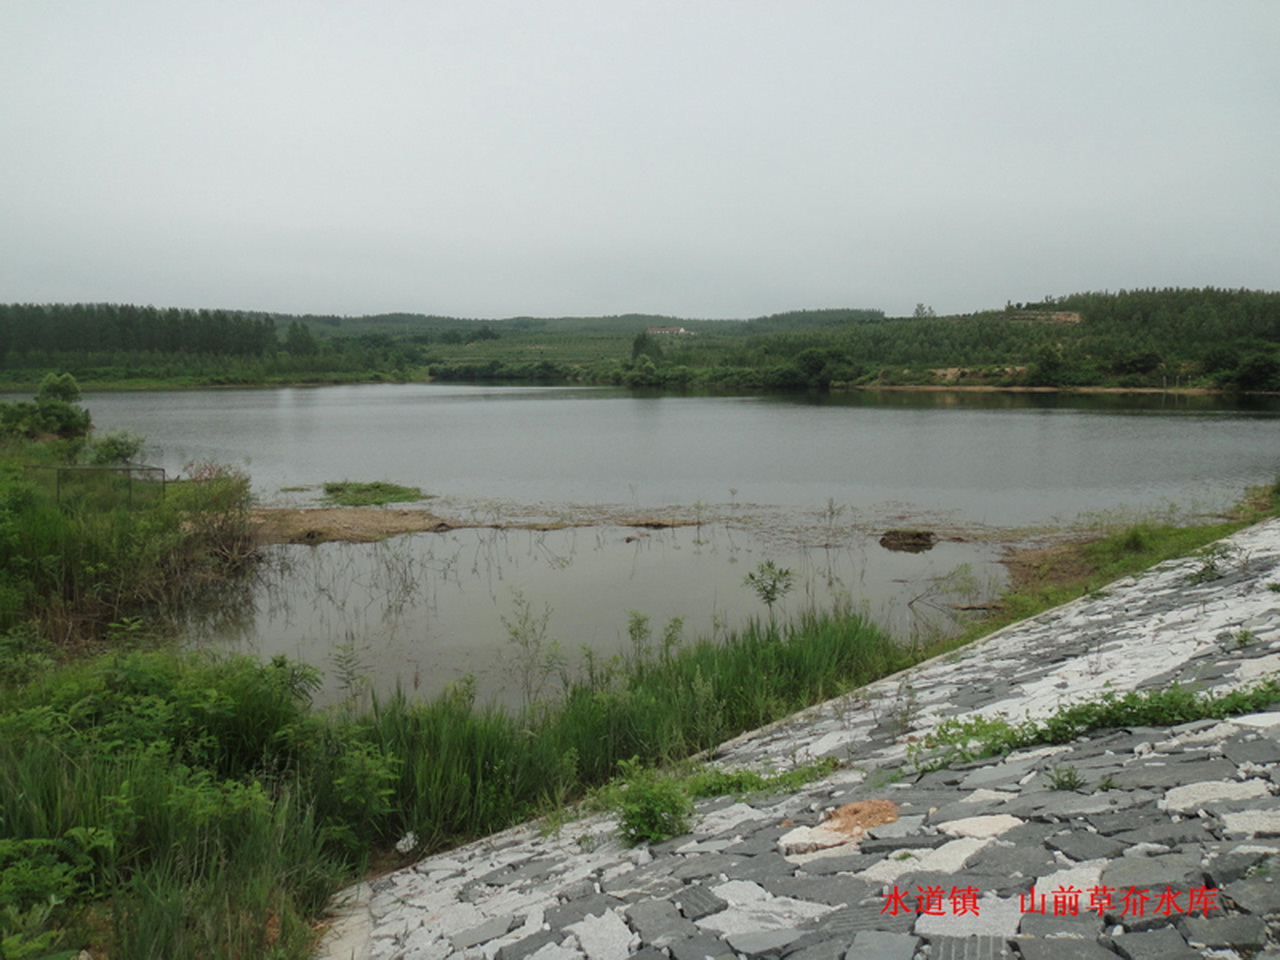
[(310, 525)]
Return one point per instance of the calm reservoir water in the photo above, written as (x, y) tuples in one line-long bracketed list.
[(809, 482)]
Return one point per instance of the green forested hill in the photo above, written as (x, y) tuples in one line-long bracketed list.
[(1176, 337)]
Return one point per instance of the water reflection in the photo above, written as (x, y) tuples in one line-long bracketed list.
[(421, 611), (1011, 459)]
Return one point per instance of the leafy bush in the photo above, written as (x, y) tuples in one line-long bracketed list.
[(118, 446), (54, 411), (651, 806)]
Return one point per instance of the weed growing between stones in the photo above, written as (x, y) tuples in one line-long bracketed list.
[(1243, 638), (651, 807), (960, 740), (654, 805), (1065, 778), (1213, 561), (900, 714)]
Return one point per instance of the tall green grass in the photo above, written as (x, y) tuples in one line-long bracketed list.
[(205, 810), (78, 555), (468, 771)]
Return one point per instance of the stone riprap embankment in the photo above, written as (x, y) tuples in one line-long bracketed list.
[(1137, 843)]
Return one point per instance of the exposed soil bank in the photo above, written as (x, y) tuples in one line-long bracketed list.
[(369, 524)]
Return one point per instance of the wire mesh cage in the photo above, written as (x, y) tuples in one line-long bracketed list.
[(127, 485)]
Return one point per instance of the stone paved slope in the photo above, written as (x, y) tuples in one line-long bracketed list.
[(1166, 840)]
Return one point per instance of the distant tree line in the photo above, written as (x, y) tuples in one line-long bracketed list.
[(1206, 337), (1173, 337), (101, 327), (116, 342)]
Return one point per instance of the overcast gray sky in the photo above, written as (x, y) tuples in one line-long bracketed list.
[(698, 158)]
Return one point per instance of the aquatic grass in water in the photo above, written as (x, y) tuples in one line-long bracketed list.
[(348, 493)]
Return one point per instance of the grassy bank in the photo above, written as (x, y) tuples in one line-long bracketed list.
[(1076, 566), (167, 806)]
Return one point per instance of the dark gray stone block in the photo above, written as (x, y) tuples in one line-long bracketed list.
[(880, 945), (482, 933), (968, 948), (760, 867), (1169, 833), (697, 902), (1109, 824), (578, 890), (1033, 833), (760, 841), (1229, 867), (1058, 805), (1085, 926), (705, 865), (1154, 873), (1029, 862), (576, 911), (1169, 772), (1258, 896), (659, 923), (529, 945), (849, 863), (1240, 933), (534, 870), (1163, 944), (1261, 750), (864, 916), (831, 891), (1081, 845), (702, 947), (817, 950), (891, 844), (641, 878), (1063, 948), (762, 943)]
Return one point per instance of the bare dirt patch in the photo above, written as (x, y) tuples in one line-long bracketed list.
[(855, 819), (1059, 564), (351, 524), (274, 525)]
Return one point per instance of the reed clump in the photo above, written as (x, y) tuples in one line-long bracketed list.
[(77, 553)]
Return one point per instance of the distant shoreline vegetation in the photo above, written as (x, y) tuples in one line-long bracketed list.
[(1166, 339)]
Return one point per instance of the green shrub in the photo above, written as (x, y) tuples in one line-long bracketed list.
[(118, 446), (651, 805)]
